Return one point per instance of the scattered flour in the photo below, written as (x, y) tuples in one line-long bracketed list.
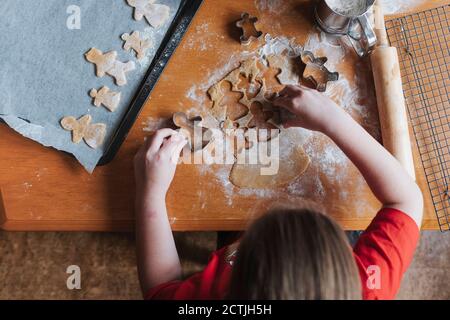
[(329, 166), (348, 96), (152, 124), (202, 38), (152, 34), (27, 186), (279, 45), (399, 6), (197, 92), (271, 6)]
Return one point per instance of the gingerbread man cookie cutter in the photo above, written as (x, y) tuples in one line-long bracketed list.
[(249, 31), (316, 72)]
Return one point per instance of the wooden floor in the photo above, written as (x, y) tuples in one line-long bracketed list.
[(33, 265)]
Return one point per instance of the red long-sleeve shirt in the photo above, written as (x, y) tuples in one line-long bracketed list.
[(382, 254)]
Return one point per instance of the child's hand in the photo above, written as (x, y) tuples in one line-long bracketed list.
[(155, 162), (312, 109)]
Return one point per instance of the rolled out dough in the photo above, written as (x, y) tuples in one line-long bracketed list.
[(291, 166)]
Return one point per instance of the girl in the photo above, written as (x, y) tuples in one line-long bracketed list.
[(286, 254)]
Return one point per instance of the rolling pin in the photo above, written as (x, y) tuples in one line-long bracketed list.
[(390, 98)]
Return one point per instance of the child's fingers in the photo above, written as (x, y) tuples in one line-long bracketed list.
[(170, 145), (157, 139), (176, 154)]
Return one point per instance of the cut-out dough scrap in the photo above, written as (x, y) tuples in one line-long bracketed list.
[(290, 167), (260, 98), (227, 124), (208, 121), (109, 99), (107, 63), (234, 78), (216, 95), (250, 69), (248, 26), (266, 105), (93, 134), (287, 67), (135, 42), (243, 121), (267, 137), (155, 14)]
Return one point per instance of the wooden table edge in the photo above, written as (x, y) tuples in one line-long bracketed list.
[(179, 225)]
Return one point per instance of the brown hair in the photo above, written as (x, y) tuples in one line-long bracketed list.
[(294, 254)]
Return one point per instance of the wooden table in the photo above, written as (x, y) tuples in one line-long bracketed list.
[(42, 189)]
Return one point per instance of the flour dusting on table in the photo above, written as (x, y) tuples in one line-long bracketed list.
[(329, 165), (202, 39), (348, 96), (271, 6)]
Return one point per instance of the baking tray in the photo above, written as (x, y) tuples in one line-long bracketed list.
[(172, 39), (170, 42)]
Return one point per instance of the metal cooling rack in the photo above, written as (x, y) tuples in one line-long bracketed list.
[(423, 42)]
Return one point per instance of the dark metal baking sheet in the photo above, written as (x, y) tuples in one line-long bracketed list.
[(170, 43), (44, 76)]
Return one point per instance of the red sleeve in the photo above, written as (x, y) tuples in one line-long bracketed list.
[(211, 283), (384, 252)]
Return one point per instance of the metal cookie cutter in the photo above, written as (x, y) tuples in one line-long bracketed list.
[(249, 31), (316, 72), (357, 26)]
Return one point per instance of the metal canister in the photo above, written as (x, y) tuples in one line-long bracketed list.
[(356, 26)]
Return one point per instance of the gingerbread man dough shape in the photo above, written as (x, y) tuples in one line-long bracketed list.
[(135, 42), (107, 63), (93, 134), (105, 97), (155, 14)]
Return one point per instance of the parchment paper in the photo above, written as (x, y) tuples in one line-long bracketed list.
[(44, 75)]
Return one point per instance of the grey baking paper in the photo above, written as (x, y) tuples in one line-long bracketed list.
[(44, 75)]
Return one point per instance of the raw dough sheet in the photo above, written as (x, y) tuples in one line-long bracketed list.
[(44, 75)]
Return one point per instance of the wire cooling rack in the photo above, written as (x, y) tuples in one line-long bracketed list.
[(423, 41)]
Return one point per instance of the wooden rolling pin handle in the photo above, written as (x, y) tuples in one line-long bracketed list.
[(391, 106)]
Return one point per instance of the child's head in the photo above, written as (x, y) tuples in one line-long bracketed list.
[(295, 254)]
